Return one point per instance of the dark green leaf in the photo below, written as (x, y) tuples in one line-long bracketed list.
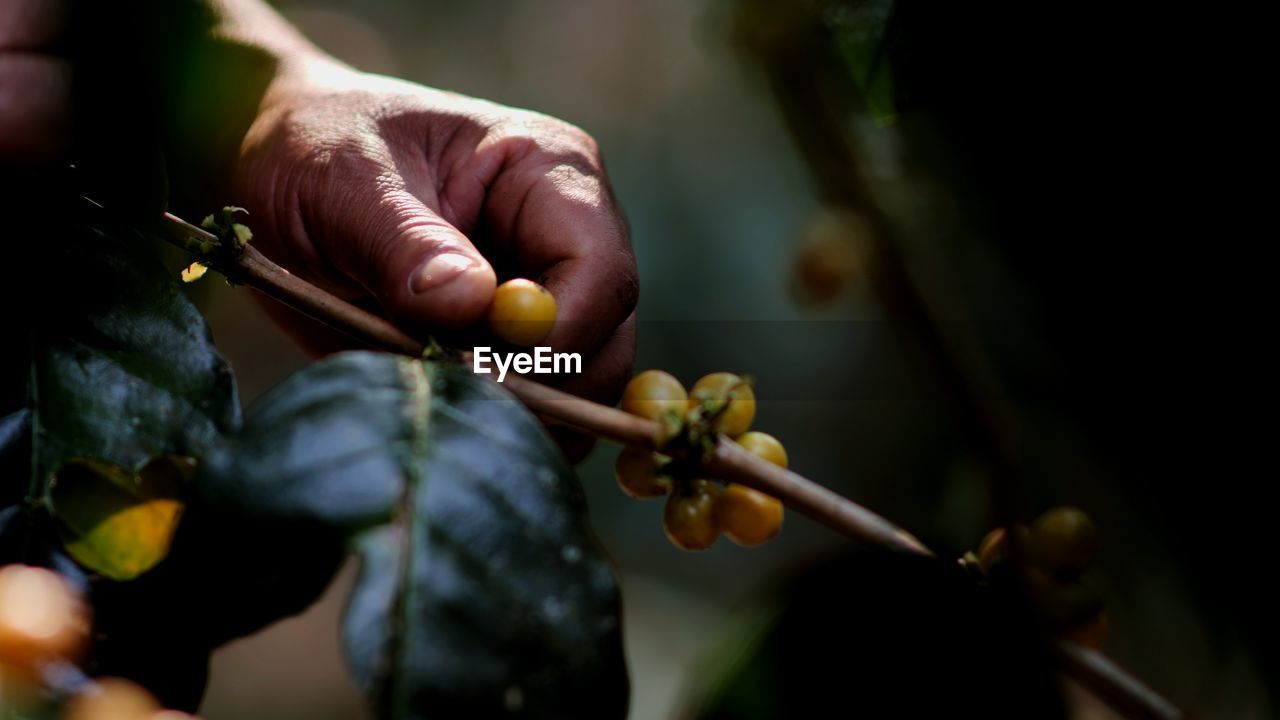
[(124, 367), (123, 370), (482, 589)]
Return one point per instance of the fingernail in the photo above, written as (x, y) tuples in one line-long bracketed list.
[(439, 270)]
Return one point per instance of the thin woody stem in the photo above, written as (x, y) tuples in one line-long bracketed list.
[(726, 461)]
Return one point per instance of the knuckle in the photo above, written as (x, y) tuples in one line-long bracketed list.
[(339, 158), (582, 148), (580, 139), (554, 139)]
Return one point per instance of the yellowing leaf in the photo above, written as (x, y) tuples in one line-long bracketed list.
[(115, 522), (128, 542), (194, 272)]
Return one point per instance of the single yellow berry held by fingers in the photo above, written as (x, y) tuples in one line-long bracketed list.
[(689, 517), (730, 399), (639, 473), (656, 395), (41, 617), (523, 312)]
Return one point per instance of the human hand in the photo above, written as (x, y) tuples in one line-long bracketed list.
[(404, 198)]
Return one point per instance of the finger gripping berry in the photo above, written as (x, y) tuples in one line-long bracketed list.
[(522, 313)]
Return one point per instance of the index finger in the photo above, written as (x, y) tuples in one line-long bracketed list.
[(568, 233)]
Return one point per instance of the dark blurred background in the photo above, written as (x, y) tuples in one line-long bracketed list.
[(1092, 287)]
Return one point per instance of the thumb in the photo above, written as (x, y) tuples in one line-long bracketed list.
[(421, 269)]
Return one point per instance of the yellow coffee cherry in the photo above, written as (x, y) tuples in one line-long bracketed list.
[(656, 395), (1063, 540), (830, 256), (764, 446), (746, 516), (112, 699), (41, 617), (689, 518), (722, 387), (523, 312), (639, 473)]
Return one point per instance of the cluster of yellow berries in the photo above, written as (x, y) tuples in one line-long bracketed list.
[(43, 621), (1059, 546), (699, 510)]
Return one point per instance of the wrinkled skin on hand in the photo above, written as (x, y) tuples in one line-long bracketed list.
[(401, 198), (398, 197)]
